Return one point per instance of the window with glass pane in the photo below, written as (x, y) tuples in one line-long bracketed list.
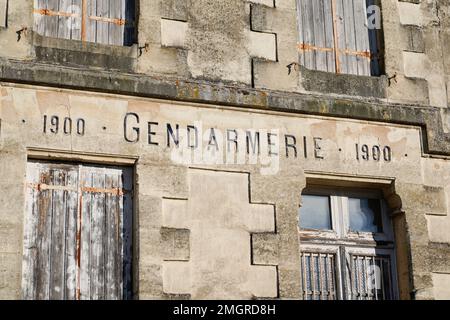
[(351, 262), (315, 212), (364, 215)]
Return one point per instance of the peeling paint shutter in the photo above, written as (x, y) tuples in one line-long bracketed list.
[(334, 37), (78, 232), (101, 21)]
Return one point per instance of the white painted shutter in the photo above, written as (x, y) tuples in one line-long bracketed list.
[(78, 232)]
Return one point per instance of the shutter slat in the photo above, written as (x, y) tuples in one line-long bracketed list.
[(116, 31), (76, 22), (51, 28), (112, 240), (30, 235), (40, 20), (308, 23), (102, 27), (98, 224), (349, 34), (362, 37), (340, 33), (319, 34), (44, 236), (84, 273), (91, 25), (329, 37), (65, 22), (57, 246), (70, 265), (300, 30)]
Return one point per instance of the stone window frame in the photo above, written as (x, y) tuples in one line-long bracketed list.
[(342, 243)]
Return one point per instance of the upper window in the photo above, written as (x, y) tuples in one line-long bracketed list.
[(101, 21), (341, 36), (346, 246)]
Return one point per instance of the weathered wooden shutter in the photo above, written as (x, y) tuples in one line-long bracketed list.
[(334, 37), (101, 21), (77, 241)]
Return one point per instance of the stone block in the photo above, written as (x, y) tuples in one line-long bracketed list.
[(410, 13), (262, 45), (441, 284), (173, 33)]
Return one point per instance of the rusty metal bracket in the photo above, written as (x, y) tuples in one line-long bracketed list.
[(120, 22), (308, 47), (20, 32)]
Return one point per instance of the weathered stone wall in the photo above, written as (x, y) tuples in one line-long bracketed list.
[(234, 54), (251, 43), (237, 52), (212, 230)]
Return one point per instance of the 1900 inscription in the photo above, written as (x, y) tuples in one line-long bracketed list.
[(55, 124)]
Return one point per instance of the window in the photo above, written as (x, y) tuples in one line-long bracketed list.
[(100, 21), (341, 36), (78, 232), (346, 246)]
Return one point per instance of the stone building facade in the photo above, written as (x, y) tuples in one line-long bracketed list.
[(173, 166)]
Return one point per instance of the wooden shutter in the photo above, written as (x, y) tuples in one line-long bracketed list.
[(316, 35), (334, 37), (101, 21), (78, 232)]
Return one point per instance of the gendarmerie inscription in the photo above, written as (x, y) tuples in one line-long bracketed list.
[(135, 131), (174, 135)]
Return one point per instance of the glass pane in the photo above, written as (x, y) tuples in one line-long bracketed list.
[(365, 215), (315, 212)]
